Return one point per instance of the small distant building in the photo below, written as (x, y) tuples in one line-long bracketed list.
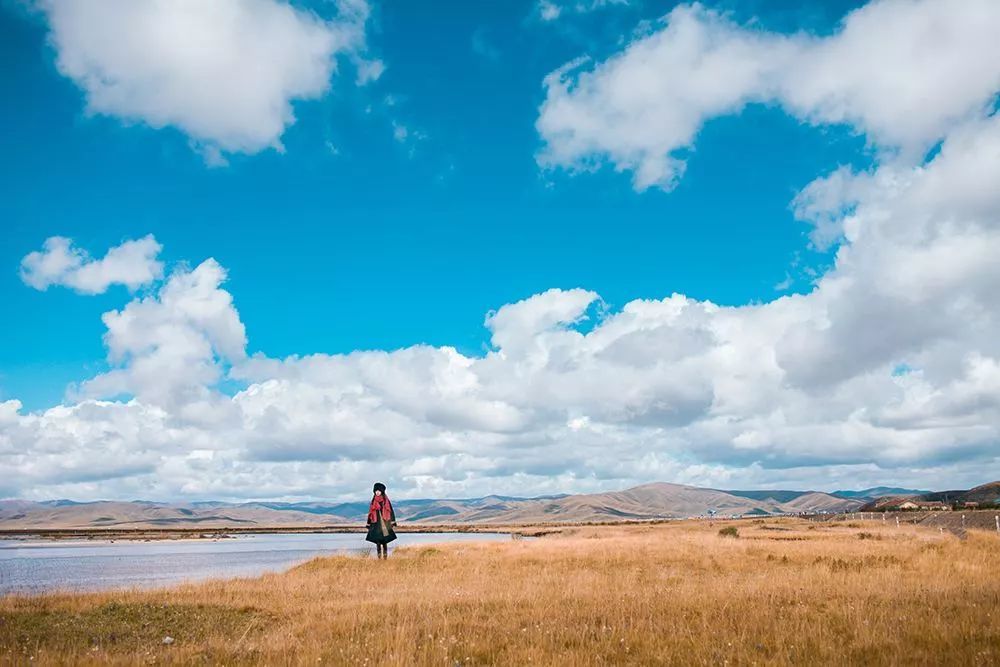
[(972, 505), (935, 505), (907, 505)]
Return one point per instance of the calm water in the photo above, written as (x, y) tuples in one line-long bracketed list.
[(32, 566)]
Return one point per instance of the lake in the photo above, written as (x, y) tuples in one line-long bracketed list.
[(35, 566)]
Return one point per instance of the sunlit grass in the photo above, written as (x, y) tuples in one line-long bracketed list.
[(781, 592)]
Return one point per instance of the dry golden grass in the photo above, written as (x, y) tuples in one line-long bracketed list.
[(783, 592)]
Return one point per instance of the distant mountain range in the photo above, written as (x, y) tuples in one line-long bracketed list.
[(650, 501)]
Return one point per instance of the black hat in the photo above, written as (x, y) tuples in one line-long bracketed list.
[(379, 486)]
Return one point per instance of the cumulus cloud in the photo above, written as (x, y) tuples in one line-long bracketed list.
[(133, 264), (888, 370), (574, 396), (225, 73), (168, 348), (518, 325), (901, 71)]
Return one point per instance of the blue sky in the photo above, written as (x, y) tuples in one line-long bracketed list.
[(388, 243), (506, 186)]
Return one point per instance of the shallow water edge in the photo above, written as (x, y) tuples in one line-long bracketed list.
[(33, 565)]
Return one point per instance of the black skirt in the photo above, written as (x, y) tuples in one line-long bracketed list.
[(381, 532)]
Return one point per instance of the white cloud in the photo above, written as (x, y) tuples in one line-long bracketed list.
[(801, 391), (170, 347), (901, 71), (133, 264), (517, 326), (399, 132), (225, 73), (369, 71), (550, 10)]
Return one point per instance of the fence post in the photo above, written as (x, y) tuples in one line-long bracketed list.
[(997, 519), (897, 522), (963, 522)]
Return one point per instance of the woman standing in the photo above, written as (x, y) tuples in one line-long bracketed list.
[(381, 520)]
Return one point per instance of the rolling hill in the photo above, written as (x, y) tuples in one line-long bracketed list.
[(984, 495), (140, 514), (658, 500)]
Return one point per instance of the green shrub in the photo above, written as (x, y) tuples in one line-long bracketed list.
[(729, 531)]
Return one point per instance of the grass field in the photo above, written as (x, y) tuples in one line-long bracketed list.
[(782, 591)]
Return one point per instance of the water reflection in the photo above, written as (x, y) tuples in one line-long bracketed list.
[(37, 566)]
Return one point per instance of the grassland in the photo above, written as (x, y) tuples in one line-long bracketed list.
[(782, 591)]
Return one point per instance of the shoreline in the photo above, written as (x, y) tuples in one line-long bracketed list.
[(67, 566), (229, 532)]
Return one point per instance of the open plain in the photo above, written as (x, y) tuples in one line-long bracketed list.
[(779, 591)]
